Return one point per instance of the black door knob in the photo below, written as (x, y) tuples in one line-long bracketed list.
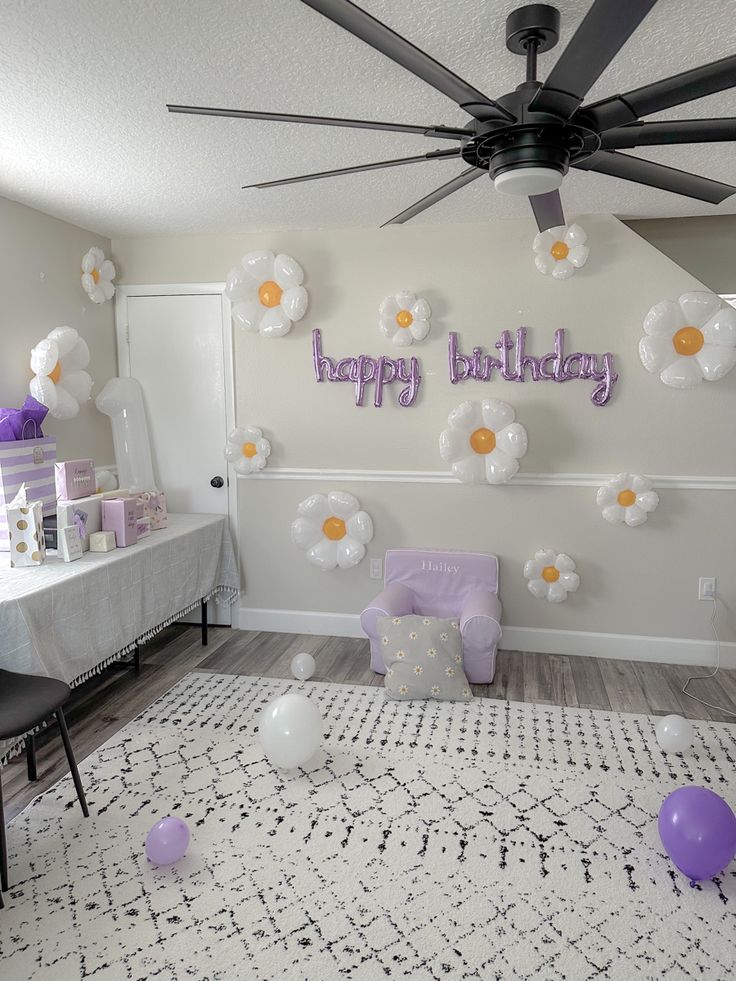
[(217, 482)]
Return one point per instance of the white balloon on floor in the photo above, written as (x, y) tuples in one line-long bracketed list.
[(302, 666), (290, 730), (675, 734)]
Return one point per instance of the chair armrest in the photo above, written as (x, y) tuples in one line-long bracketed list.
[(481, 615), (396, 600)]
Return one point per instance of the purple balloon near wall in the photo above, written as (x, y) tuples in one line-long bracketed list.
[(167, 841), (698, 831)]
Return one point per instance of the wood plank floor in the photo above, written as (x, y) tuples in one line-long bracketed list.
[(103, 705)]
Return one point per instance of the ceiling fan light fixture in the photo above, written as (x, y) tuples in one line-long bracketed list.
[(528, 181)]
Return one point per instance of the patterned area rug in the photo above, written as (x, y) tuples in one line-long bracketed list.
[(487, 840)]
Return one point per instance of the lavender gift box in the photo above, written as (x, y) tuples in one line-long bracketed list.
[(119, 515), (75, 479)]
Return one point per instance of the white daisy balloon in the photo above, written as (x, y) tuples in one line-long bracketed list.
[(689, 340), (404, 318), (97, 276), (59, 381), (551, 575), (247, 450), (483, 442), (627, 498), (560, 251), (332, 530), (266, 293)]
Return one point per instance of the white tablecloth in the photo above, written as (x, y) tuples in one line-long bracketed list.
[(69, 619)]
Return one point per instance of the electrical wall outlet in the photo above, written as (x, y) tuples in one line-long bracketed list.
[(706, 588), (376, 569)]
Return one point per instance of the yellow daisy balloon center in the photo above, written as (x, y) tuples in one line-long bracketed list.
[(55, 375), (626, 498), (550, 574), (269, 293), (334, 529), (559, 250), (688, 341), (404, 318), (249, 449), (483, 440)]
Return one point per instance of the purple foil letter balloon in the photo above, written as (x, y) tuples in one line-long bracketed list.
[(365, 369), (513, 364), (698, 831)]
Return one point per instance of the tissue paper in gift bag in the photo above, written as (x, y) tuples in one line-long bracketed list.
[(25, 531)]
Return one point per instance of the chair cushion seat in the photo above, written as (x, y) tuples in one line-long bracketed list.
[(26, 700)]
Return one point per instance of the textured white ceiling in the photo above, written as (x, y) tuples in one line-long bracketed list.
[(84, 133)]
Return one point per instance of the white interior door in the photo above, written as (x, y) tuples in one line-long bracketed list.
[(175, 348)]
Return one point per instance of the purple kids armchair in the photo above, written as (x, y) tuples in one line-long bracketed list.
[(438, 583)]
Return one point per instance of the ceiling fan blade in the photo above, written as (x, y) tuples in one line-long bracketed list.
[(448, 132), (435, 155), (668, 92), (604, 30), (547, 210), (671, 131), (471, 174), (656, 175), (359, 23)]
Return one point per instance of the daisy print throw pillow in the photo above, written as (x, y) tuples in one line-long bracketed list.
[(423, 658)]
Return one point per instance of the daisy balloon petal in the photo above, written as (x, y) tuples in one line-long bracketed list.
[(266, 293), (560, 251), (691, 340), (404, 318), (97, 276), (247, 450), (551, 575), (627, 498), (483, 442), (59, 381), (332, 530)]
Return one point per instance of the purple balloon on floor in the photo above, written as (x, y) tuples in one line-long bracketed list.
[(167, 841), (698, 831)]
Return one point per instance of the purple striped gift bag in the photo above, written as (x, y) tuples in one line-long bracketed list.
[(30, 462)]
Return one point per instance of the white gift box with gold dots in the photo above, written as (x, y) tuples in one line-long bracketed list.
[(25, 531)]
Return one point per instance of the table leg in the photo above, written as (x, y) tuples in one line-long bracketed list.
[(137, 659), (31, 757), (204, 623)]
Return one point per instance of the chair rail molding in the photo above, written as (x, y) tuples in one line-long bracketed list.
[(323, 475)]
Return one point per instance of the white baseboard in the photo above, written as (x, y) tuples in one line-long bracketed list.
[(630, 647)]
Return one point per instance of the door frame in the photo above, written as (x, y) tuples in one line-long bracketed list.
[(123, 352)]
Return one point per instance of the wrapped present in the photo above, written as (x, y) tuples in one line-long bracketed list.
[(154, 507), (25, 530), (144, 527), (119, 515), (85, 513), (102, 541), (29, 462), (70, 544), (75, 479)]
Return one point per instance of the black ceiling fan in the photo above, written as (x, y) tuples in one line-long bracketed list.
[(526, 140)]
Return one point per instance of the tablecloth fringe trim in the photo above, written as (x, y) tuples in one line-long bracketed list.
[(228, 593)]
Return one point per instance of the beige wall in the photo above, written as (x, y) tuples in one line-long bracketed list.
[(479, 279), (704, 246), (40, 290)]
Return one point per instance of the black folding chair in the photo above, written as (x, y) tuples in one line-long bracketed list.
[(27, 700)]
